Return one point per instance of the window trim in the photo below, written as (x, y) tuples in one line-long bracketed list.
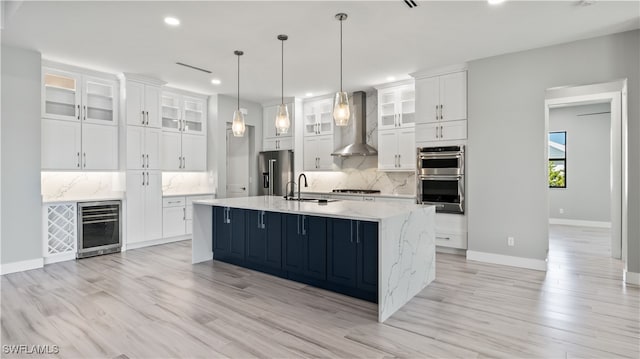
[(564, 159)]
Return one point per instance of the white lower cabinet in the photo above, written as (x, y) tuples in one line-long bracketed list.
[(441, 131), (173, 216), (144, 206), (177, 219), (451, 230)]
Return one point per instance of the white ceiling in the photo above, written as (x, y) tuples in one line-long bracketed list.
[(381, 38)]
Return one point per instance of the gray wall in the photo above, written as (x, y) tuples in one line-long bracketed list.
[(588, 193), (226, 105), (507, 184), (21, 236)]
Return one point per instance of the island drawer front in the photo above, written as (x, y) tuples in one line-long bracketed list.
[(452, 240)]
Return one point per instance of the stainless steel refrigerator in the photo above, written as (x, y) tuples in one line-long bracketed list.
[(276, 170)]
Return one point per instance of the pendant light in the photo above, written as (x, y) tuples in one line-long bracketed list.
[(282, 118), (237, 126), (341, 112)]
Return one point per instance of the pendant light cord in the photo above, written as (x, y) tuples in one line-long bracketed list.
[(282, 73), (340, 55), (238, 82)]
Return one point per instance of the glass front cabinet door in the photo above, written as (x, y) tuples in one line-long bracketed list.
[(61, 95)]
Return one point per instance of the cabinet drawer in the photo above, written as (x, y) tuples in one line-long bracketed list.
[(451, 240), (173, 202), (451, 223)]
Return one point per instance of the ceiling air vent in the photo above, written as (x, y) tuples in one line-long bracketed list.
[(410, 3), (193, 67)]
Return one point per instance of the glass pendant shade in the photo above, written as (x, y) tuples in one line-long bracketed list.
[(282, 119), (237, 126), (341, 111)]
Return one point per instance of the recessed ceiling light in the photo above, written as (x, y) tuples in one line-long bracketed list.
[(495, 2), (171, 21), (309, 94), (391, 78), (216, 81)]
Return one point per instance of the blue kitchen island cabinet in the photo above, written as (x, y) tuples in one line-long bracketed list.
[(229, 234), (381, 252), (352, 253), (305, 247), (264, 241)]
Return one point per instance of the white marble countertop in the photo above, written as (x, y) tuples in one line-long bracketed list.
[(385, 195), (187, 194), (368, 211), (115, 197)]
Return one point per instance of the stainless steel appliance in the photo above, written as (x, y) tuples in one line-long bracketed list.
[(276, 169), (99, 228), (357, 129), (440, 178)]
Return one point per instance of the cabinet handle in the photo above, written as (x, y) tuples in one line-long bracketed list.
[(441, 135), (437, 117), (84, 155), (78, 165), (184, 162), (147, 160), (142, 117), (147, 118), (184, 213), (441, 107), (357, 232), (262, 219), (179, 162), (143, 160), (444, 238), (351, 228), (85, 112), (399, 160), (78, 112), (147, 178), (143, 178), (304, 232)]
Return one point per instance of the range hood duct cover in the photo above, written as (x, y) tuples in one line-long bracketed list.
[(358, 145)]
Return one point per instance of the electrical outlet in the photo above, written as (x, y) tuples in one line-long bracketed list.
[(511, 241), (561, 210)]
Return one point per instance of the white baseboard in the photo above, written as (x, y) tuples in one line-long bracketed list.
[(632, 277), (59, 258), (155, 242), (579, 223), (21, 266), (521, 262), (441, 249)]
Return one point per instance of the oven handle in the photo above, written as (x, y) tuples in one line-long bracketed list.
[(440, 155), (100, 221), (439, 177)]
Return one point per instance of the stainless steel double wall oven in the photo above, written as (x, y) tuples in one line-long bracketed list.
[(440, 178)]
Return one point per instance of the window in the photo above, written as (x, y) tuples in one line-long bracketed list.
[(557, 160)]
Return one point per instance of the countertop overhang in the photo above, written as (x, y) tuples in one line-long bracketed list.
[(358, 210)]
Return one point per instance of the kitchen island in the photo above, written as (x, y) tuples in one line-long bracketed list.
[(386, 250)]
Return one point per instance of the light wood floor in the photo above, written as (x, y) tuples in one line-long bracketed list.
[(152, 303)]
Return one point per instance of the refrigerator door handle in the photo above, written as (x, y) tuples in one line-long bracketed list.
[(272, 164)]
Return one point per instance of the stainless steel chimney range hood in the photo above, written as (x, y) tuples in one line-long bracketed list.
[(358, 145)]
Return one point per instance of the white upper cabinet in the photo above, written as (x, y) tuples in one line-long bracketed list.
[(74, 96), (183, 114), (61, 145), (269, 122), (396, 107), (317, 153), (442, 98), (318, 118), (441, 131), (396, 150), (143, 147), (143, 104), (194, 152), (99, 147)]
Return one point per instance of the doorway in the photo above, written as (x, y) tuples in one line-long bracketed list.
[(613, 95), (238, 164)]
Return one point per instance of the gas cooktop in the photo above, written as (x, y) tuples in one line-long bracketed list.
[(359, 191)]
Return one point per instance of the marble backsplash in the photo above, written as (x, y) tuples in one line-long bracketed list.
[(362, 172), (187, 182), (62, 186)]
